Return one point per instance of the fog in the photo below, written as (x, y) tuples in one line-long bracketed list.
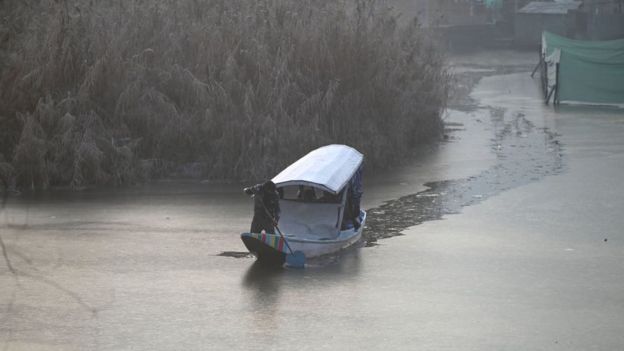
[(491, 187)]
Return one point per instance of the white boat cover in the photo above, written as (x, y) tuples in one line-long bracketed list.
[(316, 221), (328, 168)]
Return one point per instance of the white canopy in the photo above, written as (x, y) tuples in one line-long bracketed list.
[(328, 168)]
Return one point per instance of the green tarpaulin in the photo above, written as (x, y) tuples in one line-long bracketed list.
[(589, 71), (493, 3)]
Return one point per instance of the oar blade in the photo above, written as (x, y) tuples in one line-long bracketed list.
[(295, 260)]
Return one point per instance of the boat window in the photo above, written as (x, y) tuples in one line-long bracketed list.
[(308, 194)]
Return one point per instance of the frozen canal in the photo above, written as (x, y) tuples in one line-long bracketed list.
[(529, 254)]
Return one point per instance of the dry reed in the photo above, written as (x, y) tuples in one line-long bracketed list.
[(103, 92)]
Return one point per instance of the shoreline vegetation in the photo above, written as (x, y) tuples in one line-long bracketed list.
[(120, 92)]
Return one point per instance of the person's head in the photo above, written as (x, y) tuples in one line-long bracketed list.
[(269, 187)]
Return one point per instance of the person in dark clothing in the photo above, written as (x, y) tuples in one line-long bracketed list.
[(350, 217), (354, 196), (356, 191), (266, 207)]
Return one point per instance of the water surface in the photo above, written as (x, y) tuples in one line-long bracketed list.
[(526, 196)]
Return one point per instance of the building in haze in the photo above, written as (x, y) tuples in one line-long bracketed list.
[(604, 19), (537, 16)]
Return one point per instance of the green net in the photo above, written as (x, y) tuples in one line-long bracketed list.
[(589, 71)]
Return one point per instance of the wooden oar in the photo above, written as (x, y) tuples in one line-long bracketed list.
[(295, 259)]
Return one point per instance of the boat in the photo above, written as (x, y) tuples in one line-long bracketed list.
[(317, 194)]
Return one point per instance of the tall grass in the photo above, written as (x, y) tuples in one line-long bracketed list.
[(110, 92)]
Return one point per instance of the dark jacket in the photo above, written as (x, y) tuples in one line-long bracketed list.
[(266, 207)]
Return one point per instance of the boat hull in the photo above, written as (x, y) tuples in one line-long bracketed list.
[(273, 249), (263, 251)]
